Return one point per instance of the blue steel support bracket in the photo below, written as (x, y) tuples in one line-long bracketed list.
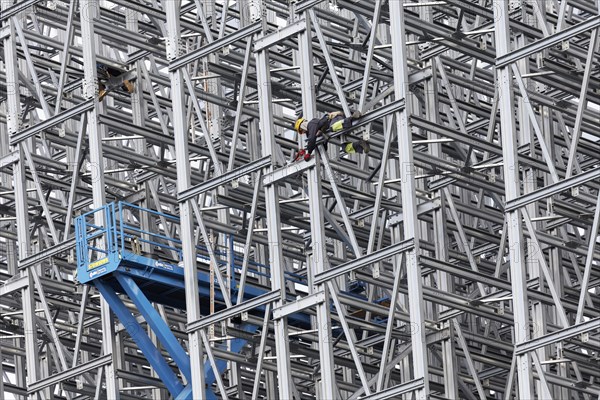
[(140, 337), (158, 325), (186, 394)]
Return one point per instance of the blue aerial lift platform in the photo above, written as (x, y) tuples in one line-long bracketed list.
[(110, 258)]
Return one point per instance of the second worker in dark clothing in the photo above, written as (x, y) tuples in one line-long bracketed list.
[(332, 122)]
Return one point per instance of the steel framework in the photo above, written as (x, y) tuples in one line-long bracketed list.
[(459, 258)]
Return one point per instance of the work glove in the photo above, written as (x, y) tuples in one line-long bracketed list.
[(307, 157), (300, 154)]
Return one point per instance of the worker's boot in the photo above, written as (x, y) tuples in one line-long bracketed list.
[(361, 146), (364, 145)]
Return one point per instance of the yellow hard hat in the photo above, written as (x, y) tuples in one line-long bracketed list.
[(297, 124)]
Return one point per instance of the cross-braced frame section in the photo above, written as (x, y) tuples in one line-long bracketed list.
[(160, 238)]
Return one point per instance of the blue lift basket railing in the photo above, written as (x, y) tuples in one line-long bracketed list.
[(119, 236)]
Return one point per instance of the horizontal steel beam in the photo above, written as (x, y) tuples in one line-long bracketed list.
[(152, 12), (288, 170), (279, 35), (298, 305), (396, 391), (553, 189), (235, 310), (549, 41), (215, 45), (557, 336), (422, 208), (47, 253), (13, 284), (305, 5), (224, 178), (17, 8), (474, 141), (465, 273), (364, 261), (9, 159), (52, 121), (68, 374), (456, 135), (14, 389)]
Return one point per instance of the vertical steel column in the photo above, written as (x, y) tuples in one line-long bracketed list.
[(315, 194), (10, 265), (273, 224), (409, 200), (139, 114), (192, 301), (215, 127), (525, 137), (13, 123), (440, 235), (212, 85), (89, 10), (512, 186), (555, 255), (1, 375)]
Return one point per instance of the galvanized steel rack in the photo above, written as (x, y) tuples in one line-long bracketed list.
[(457, 259)]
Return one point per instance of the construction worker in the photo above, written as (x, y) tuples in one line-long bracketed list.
[(113, 79), (332, 122)]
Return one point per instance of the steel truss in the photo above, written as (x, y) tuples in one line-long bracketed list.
[(458, 259)]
